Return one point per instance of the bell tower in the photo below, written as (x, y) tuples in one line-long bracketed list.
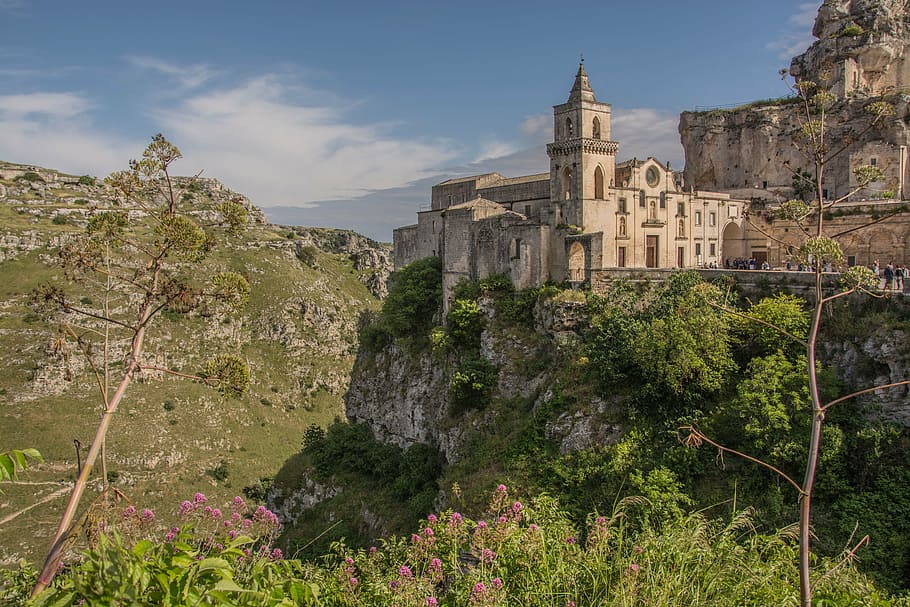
[(582, 157)]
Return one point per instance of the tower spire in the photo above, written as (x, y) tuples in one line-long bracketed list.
[(581, 90)]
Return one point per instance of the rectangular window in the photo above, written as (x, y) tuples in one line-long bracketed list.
[(733, 211), (681, 209), (712, 218), (712, 248), (697, 219), (621, 257), (873, 161), (622, 205), (698, 249), (851, 260)]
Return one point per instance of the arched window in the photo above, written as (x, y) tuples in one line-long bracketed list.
[(596, 131), (621, 227), (569, 131), (567, 183), (599, 183)]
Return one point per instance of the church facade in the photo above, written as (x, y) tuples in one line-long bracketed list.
[(588, 213)]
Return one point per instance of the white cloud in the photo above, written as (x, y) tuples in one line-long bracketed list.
[(55, 130), (644, 132), (494, 149), (794, 38), (539, 126), (260, 140), (188, 76), (50, 105)]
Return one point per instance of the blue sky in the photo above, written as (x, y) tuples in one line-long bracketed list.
[(346, 113)]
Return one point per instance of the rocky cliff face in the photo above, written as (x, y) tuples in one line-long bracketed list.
[(862, 46), (752, 150), (404, 397), (860, 53)]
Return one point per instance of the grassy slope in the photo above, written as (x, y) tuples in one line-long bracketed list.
[(170, 434)]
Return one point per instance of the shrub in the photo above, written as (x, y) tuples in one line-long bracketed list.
[(220, 472), (465, 323), (852, 29), (415, 296), (87, 180), (307, 255), (31, 177), (472, 384), (59, 220)]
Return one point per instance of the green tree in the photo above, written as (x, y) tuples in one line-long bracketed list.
[(820, 247), (140, 270), (415, 297)]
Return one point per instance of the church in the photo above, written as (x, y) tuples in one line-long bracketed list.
[(588, 213)]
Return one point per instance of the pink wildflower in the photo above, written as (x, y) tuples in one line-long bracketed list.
[(432, 519), (638, 549), (276, 555), (128, 512), (487, 555), (570, 539), (532, 527), (633, 567), (482, 525), (432, 602), (216, 513), (436, 565), (479, 589), (186, 507), (353, 581), (501, 489), (415, 538), (428, 532), (496, 583), (147, 515), (199, 498), (349, 561), (238, 503), (404, 571), (517, 507), (372, 549), (502, 520)]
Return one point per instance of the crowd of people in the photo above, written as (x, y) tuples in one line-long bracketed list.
[(893, 276)]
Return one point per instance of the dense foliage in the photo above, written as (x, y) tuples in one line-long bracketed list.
[(657, 357), (414, 299), (638, 553)]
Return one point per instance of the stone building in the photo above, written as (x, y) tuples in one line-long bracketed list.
[(588, 213)]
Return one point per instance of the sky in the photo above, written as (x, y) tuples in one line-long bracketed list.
[(345, 114)]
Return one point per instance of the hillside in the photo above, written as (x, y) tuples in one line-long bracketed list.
[(172, 437), (581, 397)]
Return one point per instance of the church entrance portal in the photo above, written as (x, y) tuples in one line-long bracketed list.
[(650, 251)]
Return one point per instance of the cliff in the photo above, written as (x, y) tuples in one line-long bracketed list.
[(860, 55)]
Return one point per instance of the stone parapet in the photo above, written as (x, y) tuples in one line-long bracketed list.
[(583, 144)]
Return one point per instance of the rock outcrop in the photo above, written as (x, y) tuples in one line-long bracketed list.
[(861, 54), (861, 48)]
